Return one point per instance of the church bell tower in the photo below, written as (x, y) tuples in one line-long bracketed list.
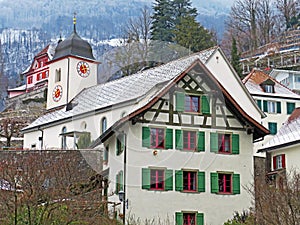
[(72, 69)]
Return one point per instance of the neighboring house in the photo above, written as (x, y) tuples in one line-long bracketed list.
[(273, 98), (289, 78), (36, 76), (283, 150)]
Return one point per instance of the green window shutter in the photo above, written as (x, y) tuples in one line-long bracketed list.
[(201, 181), (265, 106), (169, 180), (179, 218), (179, 139), (169, 139), (178, 180), (259, 103), (205, 108), (121, 180), (272, 128), (290, 106), (236, 184), (200, 218), (278, 107), (146, 137), (117, 184), (235, 140), (201, 141), (145, 178), (180, 101), (213, 142), (214, 183)]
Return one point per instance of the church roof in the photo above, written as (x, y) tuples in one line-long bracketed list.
[(73, 46)]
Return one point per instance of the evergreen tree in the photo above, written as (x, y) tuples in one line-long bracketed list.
[(163, 22), (235, 58), (182, 8), (191, 35)]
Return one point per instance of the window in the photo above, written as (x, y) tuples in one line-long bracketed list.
[(157, 138), (279, 162), (272, 107), (224, 143), (105, 154), (258, 101), (103, 125), (189, 181), (192, 103), (190, 140), (29, 80), (58, 75), (157, 179), (64, 138), (290, 106), (272, 128), (120, 144), (189, 218), (269, 88), (119, 182), (225, 183)]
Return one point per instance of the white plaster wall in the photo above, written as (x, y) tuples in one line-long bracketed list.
[(292, 158), (164, 204), (220, 69)]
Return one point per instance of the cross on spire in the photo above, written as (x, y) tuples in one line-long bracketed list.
[(74, 22)]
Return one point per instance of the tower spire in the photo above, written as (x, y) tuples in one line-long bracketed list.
[(74, 22)]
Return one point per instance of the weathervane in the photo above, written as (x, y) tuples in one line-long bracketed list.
[(74, 22)]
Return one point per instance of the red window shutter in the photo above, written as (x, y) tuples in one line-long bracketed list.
[(274, 163), (283, 160)]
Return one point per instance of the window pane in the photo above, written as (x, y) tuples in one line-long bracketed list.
[(224, 143), (157, 179), (271, 107), (191, 104), (189, 219), (225, 183), (157, 137), (189, 181), (189, 140)]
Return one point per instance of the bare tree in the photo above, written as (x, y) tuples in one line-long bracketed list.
[(287, 9), (55, 189)]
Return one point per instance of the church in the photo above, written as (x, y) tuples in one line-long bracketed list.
[(177, 139)]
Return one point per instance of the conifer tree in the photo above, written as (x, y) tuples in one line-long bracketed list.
[(163, 21), (191, 35)]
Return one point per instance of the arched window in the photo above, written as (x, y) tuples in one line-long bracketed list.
[(103, 125), (64, 138)]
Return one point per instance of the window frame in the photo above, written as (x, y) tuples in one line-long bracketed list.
[(279, 162), (224, 179), (29, 79), (189, 103), (188, 214), (167, 179), (157, 179), (58, 75), (120, 144), (191, 181), (272, 107), (187, 143), (235, 183), (225, 139), (159, 138)]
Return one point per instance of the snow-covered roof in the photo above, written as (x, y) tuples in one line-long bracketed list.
[(20, 88), (122, 90), (289, 133), (254, 80)]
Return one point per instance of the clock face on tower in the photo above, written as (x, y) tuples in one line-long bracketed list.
[(57, 93), (83, 69)]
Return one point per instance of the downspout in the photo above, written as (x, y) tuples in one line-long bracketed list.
[(68, 71)]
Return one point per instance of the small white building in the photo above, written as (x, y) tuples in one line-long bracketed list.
[(289, 78), (274, 99), (283, 150)]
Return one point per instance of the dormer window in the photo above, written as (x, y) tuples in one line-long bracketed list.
[(268, 86)]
